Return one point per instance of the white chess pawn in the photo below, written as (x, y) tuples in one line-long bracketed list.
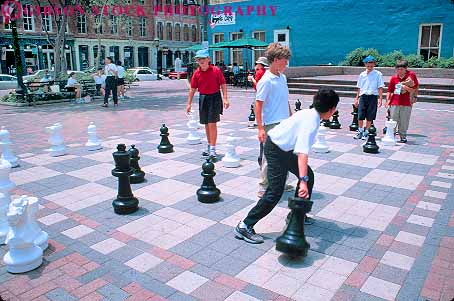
[(5, 144), (6, 185), (56, 140), (41, 238), (193, 125), (389, 138), (320, 145), (23, 255), (93, 142), (231, 158)]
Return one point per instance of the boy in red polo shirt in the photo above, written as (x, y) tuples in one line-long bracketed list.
[(209, 80), (401, 86)]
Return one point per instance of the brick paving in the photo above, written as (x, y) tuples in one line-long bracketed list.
[(384, 229)]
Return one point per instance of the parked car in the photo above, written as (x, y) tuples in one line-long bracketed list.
[(7, 82), (144, 74), (174, 74)]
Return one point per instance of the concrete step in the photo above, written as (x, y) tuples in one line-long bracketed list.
[(352, 94)]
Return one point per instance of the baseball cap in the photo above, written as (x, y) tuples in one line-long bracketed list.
[(202, 54), (369, 59)]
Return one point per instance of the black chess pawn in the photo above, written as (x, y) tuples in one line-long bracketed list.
[(354, 125), (293, 241), (138, 176), (125, 203), (326, 123), (335, 124), (208, 193), (165, 146), (371, 146), (297, 105)]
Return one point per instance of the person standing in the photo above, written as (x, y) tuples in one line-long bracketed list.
[(399, 98), (120, 80), (100, 81), (178, 67), (260, 65), (111, 72), (370, 88), (208, 80), (287, 149)]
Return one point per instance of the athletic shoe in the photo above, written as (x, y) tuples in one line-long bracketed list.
[(403, 140), (359, 135), (205, 154), (248, 234), (365, 135), (307, 221)]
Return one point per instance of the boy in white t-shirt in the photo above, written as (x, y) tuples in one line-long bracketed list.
[(287, 149)]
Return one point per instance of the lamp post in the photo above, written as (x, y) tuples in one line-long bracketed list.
[(156, 44)]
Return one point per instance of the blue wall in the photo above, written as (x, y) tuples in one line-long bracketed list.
[(323, 32)]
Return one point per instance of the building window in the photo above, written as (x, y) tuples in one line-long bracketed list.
[(159, 5), (129, 26), (82, 24), (218, 54), (28, 18), (185, 32), (98, 24), (114, 24), (169, 31), (177, 32), (194, 33), (258, 52), (430, 40), (177, 7), (159, 31), (46, 22), (237, 53), (143, 27)]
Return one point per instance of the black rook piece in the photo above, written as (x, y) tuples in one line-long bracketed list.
[(335, 123), (208, 193), (125, 202), (371, 146), (252, 115), (138, 176), (165, 146), (293, 241), (354, 125), (297, 105)]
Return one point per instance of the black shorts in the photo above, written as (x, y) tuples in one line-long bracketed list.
[(98, 87), (120, 81), (367, 107), (210, 107)]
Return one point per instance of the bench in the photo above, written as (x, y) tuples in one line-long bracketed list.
[(37, 91)]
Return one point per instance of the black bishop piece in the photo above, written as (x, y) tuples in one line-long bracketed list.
[(125, 203), (252, 115), (297, 105)]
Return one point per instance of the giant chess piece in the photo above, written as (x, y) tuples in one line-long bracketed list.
[(40, 237), (93, 142), (326, 122), (371, 146), (5, 145), (165, 146), (138, 176), (389, 138), (320, 145), (6, 185), (23, 255), (251, 117), (297, 105), (335, 124), (125, 203), (208, 193), (56, 140), (193, 136), (388, 118), (354, 126), (293, 241), (231, 158)]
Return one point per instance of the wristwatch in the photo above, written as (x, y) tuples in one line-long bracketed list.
[(304, 179)]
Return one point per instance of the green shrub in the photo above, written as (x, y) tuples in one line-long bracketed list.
[(415, 61), (390, 59), (431, 63), (445, 62), (354, 58)]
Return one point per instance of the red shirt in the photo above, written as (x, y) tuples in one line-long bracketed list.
[(209, 81), (258, 76), (402, 99)]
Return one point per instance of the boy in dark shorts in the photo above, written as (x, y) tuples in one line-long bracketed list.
[(209, 80), (370, 85)]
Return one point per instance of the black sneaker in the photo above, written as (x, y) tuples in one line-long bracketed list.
[(205, 154), (358, 135), (248, 234), (403, 140)]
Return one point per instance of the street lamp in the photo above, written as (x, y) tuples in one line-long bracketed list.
[(156, 44)]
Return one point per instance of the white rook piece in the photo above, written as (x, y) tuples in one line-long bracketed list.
[(389, 138), (231, 158), (23, 255), (320, 145), (5, 187), (40, 238), (93, 142), (5, 144), (56, 140), (193, 125)]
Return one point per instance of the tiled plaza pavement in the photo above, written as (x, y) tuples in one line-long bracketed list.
[(384, 229)]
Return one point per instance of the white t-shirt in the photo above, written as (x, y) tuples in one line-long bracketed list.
[(121, 71), (370, 83), (272, 90), (109, 69), (71, 82), (298, 132)]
